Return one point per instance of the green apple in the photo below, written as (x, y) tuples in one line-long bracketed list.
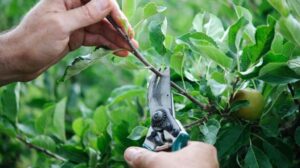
[(255, 107)]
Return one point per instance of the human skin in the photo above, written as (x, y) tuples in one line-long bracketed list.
[(52, 29), (195, 155)]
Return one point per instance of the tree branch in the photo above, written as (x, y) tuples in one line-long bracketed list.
[(39, 149), (139, 56), (195, 123)]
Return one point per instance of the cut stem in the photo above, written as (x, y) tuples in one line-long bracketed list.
[(139, 56)]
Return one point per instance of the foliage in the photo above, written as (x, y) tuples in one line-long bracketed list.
[(214, 48)]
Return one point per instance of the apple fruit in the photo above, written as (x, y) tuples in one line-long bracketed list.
[(254, 109)]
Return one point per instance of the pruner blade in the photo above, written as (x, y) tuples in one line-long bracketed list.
[(165, 131)]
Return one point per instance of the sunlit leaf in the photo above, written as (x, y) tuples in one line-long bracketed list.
[(44, 142), (128, 7), (210, 130), (278, 73), (233, 42), (152, 8), (81, 63), (212, 52), (290, 28), (124, 92), (137, 133), (281, 6), (264, 36), (157, 36), (209, 24), (294, 64), (177, 62), (59, 119), (101, 119)]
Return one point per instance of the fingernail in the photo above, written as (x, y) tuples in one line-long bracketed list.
[(131, 154)]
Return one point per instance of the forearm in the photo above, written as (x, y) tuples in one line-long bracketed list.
[(10, 53)]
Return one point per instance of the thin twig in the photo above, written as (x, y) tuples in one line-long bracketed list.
[(39, 149), (296, 101), (234, 87), (196, 123), (139, 56)]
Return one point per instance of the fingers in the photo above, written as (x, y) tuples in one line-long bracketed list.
[(206, 152), (92, 12), (107, 30), (99, 40), (121, 19), (139, 157)]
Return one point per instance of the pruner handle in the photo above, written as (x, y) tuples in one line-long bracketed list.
[(180, 142)]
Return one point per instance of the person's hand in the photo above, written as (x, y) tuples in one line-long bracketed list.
[(195, 155), (55, 27)]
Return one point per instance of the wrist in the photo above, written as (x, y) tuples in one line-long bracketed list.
[(10, 52)]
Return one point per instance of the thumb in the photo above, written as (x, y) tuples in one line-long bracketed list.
[(139, 157), (88, 14)]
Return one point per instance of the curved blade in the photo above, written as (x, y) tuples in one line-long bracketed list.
[(159, 92)]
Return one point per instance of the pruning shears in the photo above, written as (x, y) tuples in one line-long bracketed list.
[(165, 132)]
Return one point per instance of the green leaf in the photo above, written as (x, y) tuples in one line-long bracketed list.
[(231, 139), (243, 12), (290, 28), (270, 125), (101, 119), (93, 158), (187, 38), (281, 6), (83, 62), (294, 64), (233, 42), (209, 24), (10, 101), (152, 8), (137, 133), (177, 62), (44, 142), (59, 120), (129, 7), (264, 36), (278, 73), (255, 158), (217, 88), (103, 141), (268, 58), (249, 30), (43, 122), (72, 153), (123, 93), (276, 156), (212, 52), (294, 6), (157, 36), (297, 136), (78, 126), (210, 131), (7, 128), (238, 105)]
